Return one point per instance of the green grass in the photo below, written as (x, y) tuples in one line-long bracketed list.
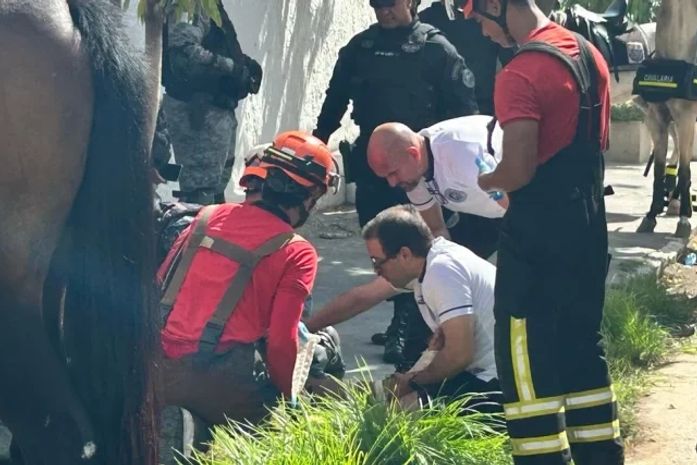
[(358, 431), (638, 318)]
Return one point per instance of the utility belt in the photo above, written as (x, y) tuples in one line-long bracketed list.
[(658, 80)]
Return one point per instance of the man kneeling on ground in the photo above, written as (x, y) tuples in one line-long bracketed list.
[(454, 290), (235, 284)]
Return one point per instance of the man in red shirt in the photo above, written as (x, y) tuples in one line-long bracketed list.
[(552, 102), (234, 285)]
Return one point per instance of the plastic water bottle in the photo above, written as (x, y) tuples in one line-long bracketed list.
[(690, 259), (484, 167)]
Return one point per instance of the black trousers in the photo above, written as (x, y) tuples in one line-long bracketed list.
[(477, 233), (550, 290), (486, 396)]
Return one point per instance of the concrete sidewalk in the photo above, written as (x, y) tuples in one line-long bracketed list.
[(344, 261)]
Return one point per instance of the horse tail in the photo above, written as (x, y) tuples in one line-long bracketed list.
[(110, 322)]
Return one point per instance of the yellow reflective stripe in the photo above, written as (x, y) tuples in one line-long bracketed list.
[(521, 360), (670, 85), (592, 398), (694, 81), (672, 170), (535, 408), (594, 433), (540, 445)]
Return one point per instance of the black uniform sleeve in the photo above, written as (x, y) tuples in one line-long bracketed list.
[(456, 95), (337, 95)]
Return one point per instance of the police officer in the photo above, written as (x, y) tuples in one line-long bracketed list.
[(480, 53), (397, 70), (552, 101), (205, 75)]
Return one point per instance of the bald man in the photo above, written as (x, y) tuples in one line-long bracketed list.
[(439, 167)]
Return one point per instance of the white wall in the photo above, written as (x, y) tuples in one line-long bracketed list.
[(296, 42)]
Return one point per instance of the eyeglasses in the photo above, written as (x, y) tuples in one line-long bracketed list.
[(379, 262), (376, 4)]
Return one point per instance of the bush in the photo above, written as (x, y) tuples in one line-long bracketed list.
[(358, 431), (627, 111), (640, 11)]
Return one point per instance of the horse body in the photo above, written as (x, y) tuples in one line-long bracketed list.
[(676, 38), (74, 230)]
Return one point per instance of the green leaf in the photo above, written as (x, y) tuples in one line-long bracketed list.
[(142, 7)]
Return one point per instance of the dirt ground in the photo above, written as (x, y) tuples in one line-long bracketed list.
[(667, 415)]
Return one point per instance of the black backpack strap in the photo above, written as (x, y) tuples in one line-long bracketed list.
[(584, 70)]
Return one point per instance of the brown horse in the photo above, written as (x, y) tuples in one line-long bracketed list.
[(75, 235), (676, 39)]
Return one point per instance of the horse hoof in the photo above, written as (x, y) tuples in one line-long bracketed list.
[(647, 225), (683, 230), (673, 208)]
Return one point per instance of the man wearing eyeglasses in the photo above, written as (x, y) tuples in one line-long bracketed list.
[(398, 69), (438, 167), (454, 290)]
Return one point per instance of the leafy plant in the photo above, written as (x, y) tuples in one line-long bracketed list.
[(626, 111), (639, 11), (358, 431)]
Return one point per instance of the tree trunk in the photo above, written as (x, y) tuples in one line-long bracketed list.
[(154, 21)]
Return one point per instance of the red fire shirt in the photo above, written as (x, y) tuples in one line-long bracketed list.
[(271, 304), (540, 87)]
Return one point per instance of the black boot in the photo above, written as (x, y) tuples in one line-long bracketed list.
[(397, 330)]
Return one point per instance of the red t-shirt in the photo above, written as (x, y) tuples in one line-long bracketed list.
[(539, 86), (270, 306)]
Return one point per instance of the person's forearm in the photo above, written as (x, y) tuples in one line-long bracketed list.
[(444, 365), (441, 232), (504, 179), (342, 308)]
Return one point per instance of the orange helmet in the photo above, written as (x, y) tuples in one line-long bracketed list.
[(252, 165), (304, 158)]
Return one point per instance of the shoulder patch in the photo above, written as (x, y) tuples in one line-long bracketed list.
[(455, 195), (468, 77)]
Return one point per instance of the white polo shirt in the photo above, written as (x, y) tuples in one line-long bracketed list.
[(455, 145), (457, 282)]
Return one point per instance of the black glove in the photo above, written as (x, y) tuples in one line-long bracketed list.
[(255, 74)]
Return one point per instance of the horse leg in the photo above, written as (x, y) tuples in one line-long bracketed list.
[(672, 192), (657, 121), (684, 113), (45, 121)]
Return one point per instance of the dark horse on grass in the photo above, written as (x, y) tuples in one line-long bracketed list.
[(76, 327)]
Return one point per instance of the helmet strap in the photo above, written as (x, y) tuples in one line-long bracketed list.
[(500, 19)]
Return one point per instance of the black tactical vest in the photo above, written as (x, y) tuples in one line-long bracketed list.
[(391, 81)]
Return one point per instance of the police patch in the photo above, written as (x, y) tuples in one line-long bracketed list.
[(468, 78), (411, 47), (455, 195)]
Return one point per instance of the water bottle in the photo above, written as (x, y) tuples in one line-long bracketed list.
[(690, 259), (484, 167)]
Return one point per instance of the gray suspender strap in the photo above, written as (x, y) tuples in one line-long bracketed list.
[(248, 260), (197, 236)]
